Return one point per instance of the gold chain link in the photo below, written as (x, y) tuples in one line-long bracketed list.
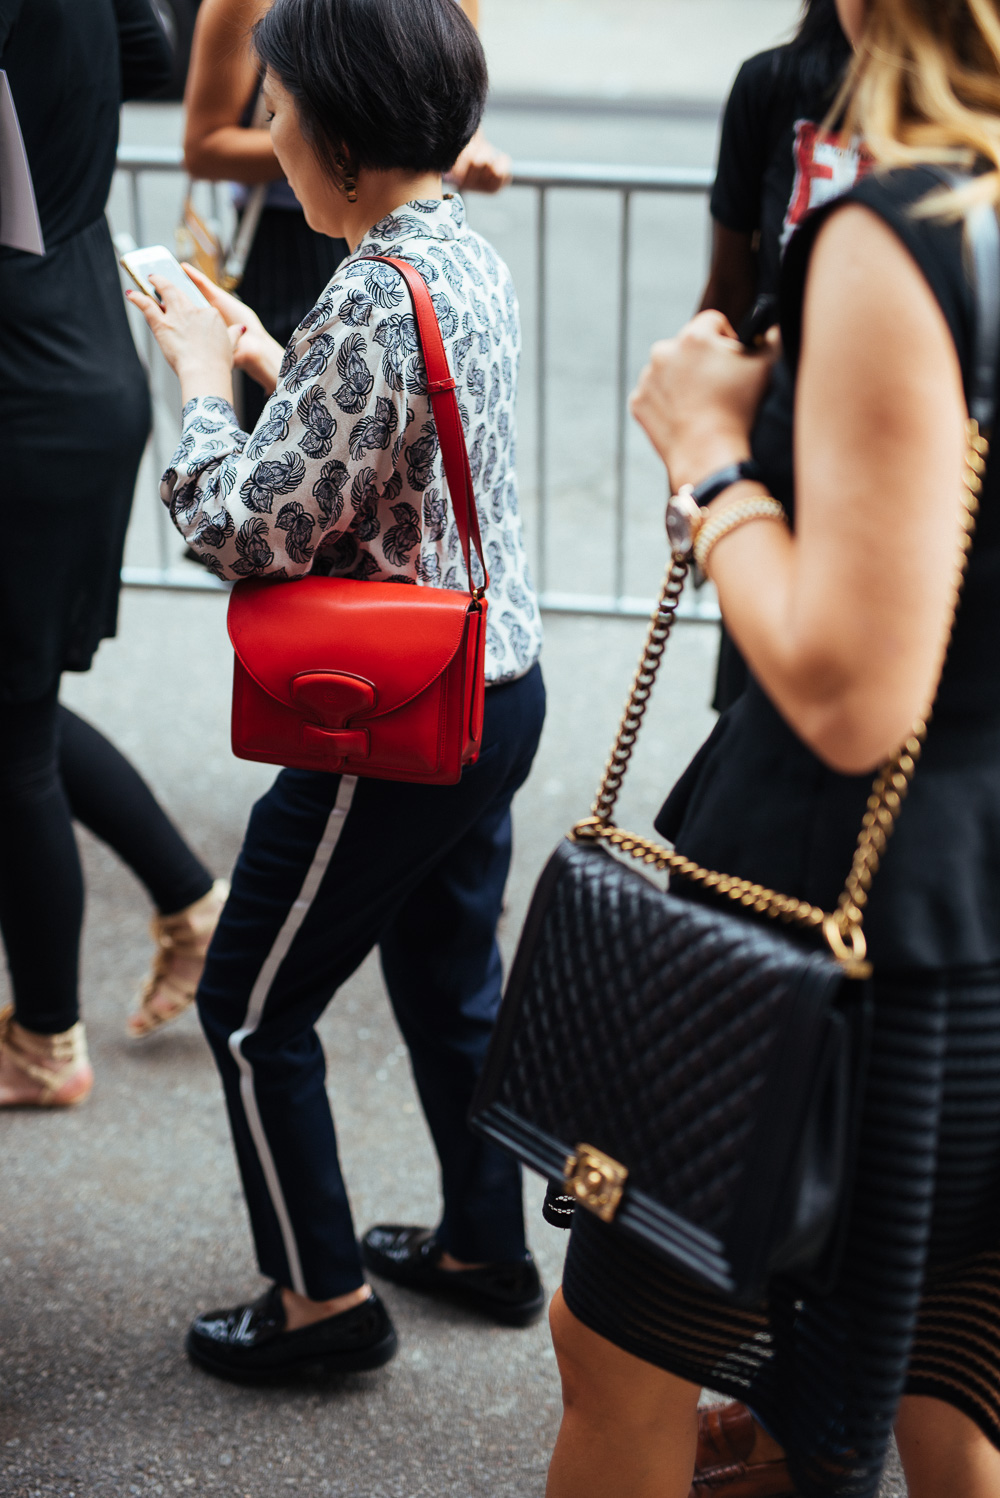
[(841, 928)]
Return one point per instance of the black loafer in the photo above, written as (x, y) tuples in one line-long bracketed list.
[(508, 1293), (249, 1344)]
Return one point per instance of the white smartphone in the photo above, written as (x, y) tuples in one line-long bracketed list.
[(158, 261)]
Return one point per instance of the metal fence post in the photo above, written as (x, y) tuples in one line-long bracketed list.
[(541, 394), (621, 389)]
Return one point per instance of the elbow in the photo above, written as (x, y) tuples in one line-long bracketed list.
[(198, 162), (849, 744), (852, 726)]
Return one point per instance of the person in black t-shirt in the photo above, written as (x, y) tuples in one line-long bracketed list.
[(775, 164), (774, 161)]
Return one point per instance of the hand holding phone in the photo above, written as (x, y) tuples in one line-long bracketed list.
[(192, 334), (157, 261)]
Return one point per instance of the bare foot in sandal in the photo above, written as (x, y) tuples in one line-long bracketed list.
[(42, 1071), (182, 942)]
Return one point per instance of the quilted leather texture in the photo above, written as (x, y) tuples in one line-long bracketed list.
[(649, 1026)]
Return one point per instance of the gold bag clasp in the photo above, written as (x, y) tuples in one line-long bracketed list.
[(595, 1180)]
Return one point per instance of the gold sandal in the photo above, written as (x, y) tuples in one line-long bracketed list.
[(42, 1071), (181, 939)]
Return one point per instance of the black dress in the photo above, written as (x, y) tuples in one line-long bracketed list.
[(288, 266), (917, 1308), (74, 406)]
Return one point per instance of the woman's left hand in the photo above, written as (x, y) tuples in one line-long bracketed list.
[(698, 396), (195, 340)]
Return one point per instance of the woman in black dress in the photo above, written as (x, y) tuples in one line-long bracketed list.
[(74, 416), (844, 623)]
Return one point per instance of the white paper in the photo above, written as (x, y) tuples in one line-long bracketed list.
[(19, 225)]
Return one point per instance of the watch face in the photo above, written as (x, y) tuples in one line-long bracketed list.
[(682, 517)]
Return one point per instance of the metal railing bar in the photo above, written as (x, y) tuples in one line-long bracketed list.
[(541, 391), (676, 179), (662, 106), (621, 384), (694, 608), (161, 524), (194, 580), (679, 179), (135, 205), (151, 158)]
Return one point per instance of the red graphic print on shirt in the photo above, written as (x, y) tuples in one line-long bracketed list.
[(824, 168)]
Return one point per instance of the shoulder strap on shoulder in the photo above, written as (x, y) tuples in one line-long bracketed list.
[(447, 419)]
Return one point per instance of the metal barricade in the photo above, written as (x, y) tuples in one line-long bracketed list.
[(543, 179)]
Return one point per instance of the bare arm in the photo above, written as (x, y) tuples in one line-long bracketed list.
[(481, 167), (845, 623), (221, 81), (732, 278)]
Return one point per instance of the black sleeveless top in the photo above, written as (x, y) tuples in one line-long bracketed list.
[(757, 803)]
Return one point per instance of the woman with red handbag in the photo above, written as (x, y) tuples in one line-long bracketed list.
[(343, 479)]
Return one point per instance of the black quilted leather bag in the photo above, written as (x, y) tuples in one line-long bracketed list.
[(689, 1072), (712, 1064)]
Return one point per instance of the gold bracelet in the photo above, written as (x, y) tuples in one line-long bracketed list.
[(735, 515)]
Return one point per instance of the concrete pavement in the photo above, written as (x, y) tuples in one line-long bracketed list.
[(121, 1219)]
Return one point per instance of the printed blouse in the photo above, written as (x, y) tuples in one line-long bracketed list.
[(342, 474)]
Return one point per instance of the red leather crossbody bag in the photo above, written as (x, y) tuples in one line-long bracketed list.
[(366, 678)]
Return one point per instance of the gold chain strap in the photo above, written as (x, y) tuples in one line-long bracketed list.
[(842, 928)]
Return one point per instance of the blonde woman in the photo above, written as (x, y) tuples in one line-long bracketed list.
[(843, 617)]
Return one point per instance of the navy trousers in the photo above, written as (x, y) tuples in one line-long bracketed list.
[(331, 866)]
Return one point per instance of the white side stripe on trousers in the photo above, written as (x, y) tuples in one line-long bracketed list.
[(258, 998)]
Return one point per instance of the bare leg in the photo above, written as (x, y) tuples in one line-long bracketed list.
[(943, 1452), (300, 1311), (628, 1428)]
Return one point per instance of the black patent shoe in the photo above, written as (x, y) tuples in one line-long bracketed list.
[(508, 1293), (249, 1344)]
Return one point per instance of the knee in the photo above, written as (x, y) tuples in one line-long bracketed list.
[(578, 1355), (605, 1388)]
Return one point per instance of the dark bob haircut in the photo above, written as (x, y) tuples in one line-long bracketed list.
[(387, 83)]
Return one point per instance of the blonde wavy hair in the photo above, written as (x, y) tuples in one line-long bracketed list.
[(925, 87)]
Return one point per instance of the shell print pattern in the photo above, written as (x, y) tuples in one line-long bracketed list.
[(343, 473)]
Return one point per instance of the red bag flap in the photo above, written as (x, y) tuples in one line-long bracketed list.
[(323, 642)]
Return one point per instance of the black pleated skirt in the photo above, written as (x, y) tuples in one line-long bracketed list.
[(74, 417), (917, 1306), (286, 271)]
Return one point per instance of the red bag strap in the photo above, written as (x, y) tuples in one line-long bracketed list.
[(448, 421)]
